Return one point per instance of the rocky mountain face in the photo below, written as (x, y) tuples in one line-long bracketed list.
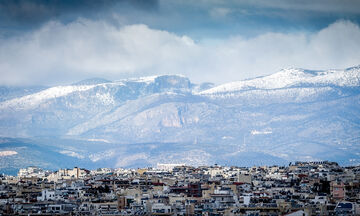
[(294, 114)]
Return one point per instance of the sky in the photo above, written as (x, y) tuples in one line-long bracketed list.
[(55, 42)]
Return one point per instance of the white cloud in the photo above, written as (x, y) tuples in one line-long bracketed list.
[(86, 48), (337, 46), (62, 53)]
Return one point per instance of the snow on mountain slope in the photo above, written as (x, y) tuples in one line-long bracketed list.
[(115, 115), (146, 79), (11, 92), (51, 111), (92, 81), (122, 90), (33, 100), (293, 77), (257, 97), (145, 119)]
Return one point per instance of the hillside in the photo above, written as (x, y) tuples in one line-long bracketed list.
[(294, 114)]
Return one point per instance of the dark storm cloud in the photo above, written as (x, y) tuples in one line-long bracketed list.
[(217, 18), (25, 14), (334, 6)]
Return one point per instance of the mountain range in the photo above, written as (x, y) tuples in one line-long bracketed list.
[(291, 115)]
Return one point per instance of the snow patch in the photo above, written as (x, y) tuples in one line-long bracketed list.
[(227, 137), (98, 140), (101, 155), (256, 132), (72, 154), (7, 153)]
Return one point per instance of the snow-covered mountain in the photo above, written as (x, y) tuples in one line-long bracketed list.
[(294, 114), (294, 77)]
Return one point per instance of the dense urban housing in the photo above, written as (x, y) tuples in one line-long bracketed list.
[(302, 188)]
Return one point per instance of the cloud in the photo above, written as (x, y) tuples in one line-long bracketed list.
[(63, 53), (334, 6), (84, 48), (194, 18), (336, 46), (19, 16), (27, 11)]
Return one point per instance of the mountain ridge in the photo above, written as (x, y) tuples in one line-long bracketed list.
[(171, 119), (291, 77)]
